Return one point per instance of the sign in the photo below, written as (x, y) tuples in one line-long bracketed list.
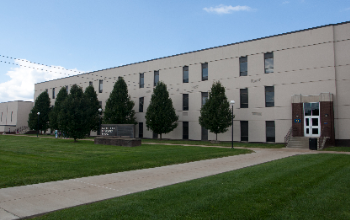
[(297, 120), (118, 130)]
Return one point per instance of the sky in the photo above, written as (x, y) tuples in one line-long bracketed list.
[(42, 40)]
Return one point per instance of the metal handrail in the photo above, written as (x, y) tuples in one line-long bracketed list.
[(288, 136), (323, 139)]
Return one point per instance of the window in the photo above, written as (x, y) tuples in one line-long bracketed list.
[(90, 83), (67, 89), (100, 88), (47, 91), (185, 102), (156, 77), (140, 129), (204, 98), (11, 116), (185, 74), (100, 104), (185, 130), (53, 93), (243, 66), (244, 130), (244, 98), (270, 131), (268, 57), (204, 134), (1, 115), (119, 77), (142, 80), (155, 135), (141, 104), (204, 71), (269, 96)]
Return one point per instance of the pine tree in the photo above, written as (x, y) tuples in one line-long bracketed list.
[(160, 116), (61, 96), (216, 115), (93, 106), (119, 106), (73, 118), (42, 105)]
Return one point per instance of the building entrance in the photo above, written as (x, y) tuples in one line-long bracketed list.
[(312, 125)]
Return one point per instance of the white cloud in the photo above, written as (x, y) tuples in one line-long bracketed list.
[(285, 2), (22, 80), (224, 9)]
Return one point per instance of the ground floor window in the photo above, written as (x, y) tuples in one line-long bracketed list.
[(204, 134), (185, 130), (270, 131), (155, 135), (244, 130), (140, 129)]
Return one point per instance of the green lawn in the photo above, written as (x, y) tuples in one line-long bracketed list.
[(208, 143), (340, 149), (29, 160), (299, 187)]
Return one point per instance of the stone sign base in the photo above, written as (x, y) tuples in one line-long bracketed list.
[(118, 141)]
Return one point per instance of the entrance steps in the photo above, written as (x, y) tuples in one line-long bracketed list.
[(298, 142)]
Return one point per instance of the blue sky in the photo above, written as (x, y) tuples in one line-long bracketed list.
[(86, 35)]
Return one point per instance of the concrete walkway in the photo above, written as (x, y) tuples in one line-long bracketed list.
[(31, 200)]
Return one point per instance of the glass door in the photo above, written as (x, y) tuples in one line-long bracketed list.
[(312, 125)]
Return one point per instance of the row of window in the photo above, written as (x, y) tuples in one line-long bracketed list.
[(269, 125), (269, 99), (54, 92), (243, 70), (3, 114)]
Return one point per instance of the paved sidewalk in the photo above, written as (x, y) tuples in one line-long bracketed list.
[(31, 200)]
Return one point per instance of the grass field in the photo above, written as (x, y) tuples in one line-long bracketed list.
[(340, 149), (208, 143), (30, 160), (299, 187)]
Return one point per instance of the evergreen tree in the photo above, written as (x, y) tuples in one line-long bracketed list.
[(160, 116), (42, 105), (93, 106), (73, 118), (61, 96), (216, 115), (119, 106)]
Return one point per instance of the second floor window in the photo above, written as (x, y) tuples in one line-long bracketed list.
[(156, 77), (204, 71), (141, 104), (269, 96), (142, 80), (243, 66), (204, 98), (90, 83), (67, 89), (185, 74), (100, 88), (268, 62), (244, 98), (185, 102), (53, 93)]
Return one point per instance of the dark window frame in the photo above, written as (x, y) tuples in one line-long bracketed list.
[(67, 89), (268, 57), (142, 80), (91, 83), (156, 80), (185, 130), (270, 138), (204, 94), (185, 74), (269, 89), (100, 86), (242, 93), (141, 103), (205, 66), (140, 129), (243, 61), (185, 102), (244, 133), (53, 93)]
